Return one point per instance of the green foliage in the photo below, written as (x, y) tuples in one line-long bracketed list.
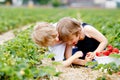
[(115, 56), (56, 3), (104, 20), (109, 68), (56, 63), (44, 2), (20, 58), (104, 77), (91, 64), (11, 18)]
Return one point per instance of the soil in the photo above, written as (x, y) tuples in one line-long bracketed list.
[(6, 36), (83, 73), (10, 34), (80, 73)]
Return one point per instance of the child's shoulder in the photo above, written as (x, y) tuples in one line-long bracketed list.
[(54, 24), (84, 24)]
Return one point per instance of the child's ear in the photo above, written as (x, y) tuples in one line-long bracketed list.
[(57, 39)]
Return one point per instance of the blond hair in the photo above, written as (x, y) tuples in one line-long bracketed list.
[(44, 34), (68, 27)]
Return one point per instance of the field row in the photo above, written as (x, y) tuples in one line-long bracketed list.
[(21, 58)]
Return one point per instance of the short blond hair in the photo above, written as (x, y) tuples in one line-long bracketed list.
[(68, 27), (44, 34)]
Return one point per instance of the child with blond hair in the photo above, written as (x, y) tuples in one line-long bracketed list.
[(46, 35), (83, 36)]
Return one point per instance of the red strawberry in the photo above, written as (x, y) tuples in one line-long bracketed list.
[(110, 48), (106, 53), (116, 50), (99, 54)]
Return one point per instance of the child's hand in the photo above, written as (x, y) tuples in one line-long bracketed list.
[(91, 55), (88, 59), (78, 54)]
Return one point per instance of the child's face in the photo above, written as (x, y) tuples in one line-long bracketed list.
[(55, 41), (73, 41)]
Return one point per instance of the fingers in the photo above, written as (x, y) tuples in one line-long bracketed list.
[(88, 59), (91, 55)]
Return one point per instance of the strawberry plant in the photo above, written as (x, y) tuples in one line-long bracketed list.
[(103, 20), (20, 59), (109, 68)]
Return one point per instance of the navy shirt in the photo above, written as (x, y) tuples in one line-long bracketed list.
[(87, 44)]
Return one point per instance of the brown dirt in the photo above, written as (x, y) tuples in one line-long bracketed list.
[(10, 34), (6, 36), (80, 73)]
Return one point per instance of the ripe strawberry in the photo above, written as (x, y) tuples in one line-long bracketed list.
[(110, 48), (116, 50), (99, 54), (106, 53)]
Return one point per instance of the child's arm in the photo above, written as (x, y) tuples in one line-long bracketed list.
[(93, 33), (80, 62), (68, 53), (70, 60)]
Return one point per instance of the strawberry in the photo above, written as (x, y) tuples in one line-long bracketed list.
[(99, 54), (110, 48), (116, 50), (106, 53)]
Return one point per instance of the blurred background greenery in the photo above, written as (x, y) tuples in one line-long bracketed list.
[(68, 3), (20, 58)]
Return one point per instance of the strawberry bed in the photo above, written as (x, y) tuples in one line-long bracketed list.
[(21, 58)]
